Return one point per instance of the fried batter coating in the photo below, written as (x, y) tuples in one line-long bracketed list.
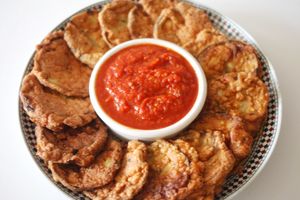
[(169, 25), (83, 36), (79, 146), (239, 94), (203, 142), (57, 68), (232, 56), (140, 24), (154, 7), (113, 20), (234, 129), (196, 169), (204, 39), (217, 165), (51, 110), (181, 24), (131, 177), (201, 196), (98, 174), (169, 175), (254, 127), (195, 19)]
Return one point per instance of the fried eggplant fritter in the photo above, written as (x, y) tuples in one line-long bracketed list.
[(169, 25), (154, 7), (83, 36), (217, 157), (79, 146), (52, 110), (57, 68), (239, 94), (203, 142), (231, 56), (131, 177), (234, 129), (99, 173), (180, 24), (219, 166), (195, 19), (170, 175), (205, 38), (140, 24), (196, 170), (113, 20)]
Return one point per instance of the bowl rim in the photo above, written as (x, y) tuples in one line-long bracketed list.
[(148, 135)]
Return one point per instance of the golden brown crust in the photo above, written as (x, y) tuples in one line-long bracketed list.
[(234, 129), (240, 94), (240, 141), (83, 36), (79, 146), (154, 7), (131, 177), (180, 24), (205, 38), (218, 163), (231, 56), (168, 26), (203, 142), (169, 172), (140, 24), (57, 68), (196, 169), (52, 110), (195, 19), (218, 167), (98, 174), (113, 20)]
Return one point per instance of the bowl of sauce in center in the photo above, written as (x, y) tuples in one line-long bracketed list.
[(147, 89)]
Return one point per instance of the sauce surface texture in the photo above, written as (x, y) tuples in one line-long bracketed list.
[(146, 87)]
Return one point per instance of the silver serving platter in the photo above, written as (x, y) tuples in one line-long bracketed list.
[(263, 146)]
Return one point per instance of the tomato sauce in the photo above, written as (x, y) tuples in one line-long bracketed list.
[(146, 86)]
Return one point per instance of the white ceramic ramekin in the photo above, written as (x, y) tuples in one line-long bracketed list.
[(150, 135)]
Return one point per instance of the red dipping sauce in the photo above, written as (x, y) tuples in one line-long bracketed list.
[(146, 86)]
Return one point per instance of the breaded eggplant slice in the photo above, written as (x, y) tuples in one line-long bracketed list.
[(231, 56), (52, 110), (57, 68), (239, 138), (78, 146), (170, 171), (99, 173), (195, 19), (204, 39), (203, 142), (131, 177), (216, 167), (181, 24), (83, 36), (196, 170), (113, 20), (219, 166), (239, 94), (169, 26), (140, 24), (154, 7)]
